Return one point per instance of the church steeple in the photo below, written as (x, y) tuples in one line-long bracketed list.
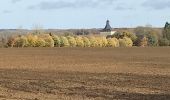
[(107, 31), (107, 27)]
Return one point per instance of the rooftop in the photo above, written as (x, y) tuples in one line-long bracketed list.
[(107, 27)]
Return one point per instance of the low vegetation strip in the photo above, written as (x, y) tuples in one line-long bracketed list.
[(140, 36), (46, 40)]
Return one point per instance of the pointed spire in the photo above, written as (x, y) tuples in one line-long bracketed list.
[(107, 27)]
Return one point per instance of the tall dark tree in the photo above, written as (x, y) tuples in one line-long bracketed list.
[(166, 31)]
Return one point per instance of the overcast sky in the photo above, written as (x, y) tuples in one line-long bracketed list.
[(83, 13)]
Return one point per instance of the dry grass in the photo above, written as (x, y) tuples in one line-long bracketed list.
[(84, 73)]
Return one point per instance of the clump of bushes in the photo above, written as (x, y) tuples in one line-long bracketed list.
[(64, 42), (93, 41), (72, 41), (79, 41), (113, 42), (50, 40), (125, 42), (21, 41), (104, 41), (40, 42), (86, 42), (11, 41), (164, 42), (57, 41), (31, 40), (122, 34)]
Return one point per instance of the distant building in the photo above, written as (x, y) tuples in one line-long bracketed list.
[(107, 31)]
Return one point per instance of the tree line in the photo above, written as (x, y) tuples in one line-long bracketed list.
[(141, 36), (47, 40)]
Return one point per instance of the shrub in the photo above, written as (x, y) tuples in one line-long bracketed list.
[(164, 42), (130, 35), (99, 42), (49, 42), (117, 35), (86, 42), (40, 43), (121, 34), (150, 33), (113, 42), (64, 41), (57, 41), (72, 41), (152, 40), (21, 41), (31, 40), (93, 41), (104, 41), (143, 41), (125, 42), (80, 42), (11, 41)]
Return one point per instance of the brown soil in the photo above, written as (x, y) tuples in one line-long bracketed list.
[(85, 74)]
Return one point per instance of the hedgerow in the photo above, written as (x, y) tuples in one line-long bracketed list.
[(48, 40)]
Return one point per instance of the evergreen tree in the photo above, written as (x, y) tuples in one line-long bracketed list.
[(166, 31)]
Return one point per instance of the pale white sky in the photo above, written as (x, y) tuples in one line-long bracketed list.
[(83, 13)]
